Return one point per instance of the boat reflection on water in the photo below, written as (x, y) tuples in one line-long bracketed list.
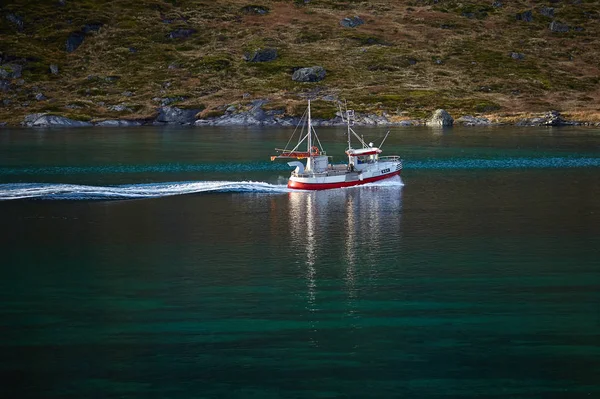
[(340, 235)]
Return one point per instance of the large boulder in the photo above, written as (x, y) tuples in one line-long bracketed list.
[(440, 118), (310, 74), (261, 55), (176, 115), (351, 22), (45, 120)]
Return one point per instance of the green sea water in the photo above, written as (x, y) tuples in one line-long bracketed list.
[(174, 263)]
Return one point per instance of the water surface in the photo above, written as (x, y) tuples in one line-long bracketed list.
[(161, 262)]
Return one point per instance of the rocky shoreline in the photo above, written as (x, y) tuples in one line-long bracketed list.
[(256, 115)]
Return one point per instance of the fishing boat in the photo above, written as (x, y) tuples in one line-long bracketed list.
[(365, 164)]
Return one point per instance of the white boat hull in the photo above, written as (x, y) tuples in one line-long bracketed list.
[(337, 179)]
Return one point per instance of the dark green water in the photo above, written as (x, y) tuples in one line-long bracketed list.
[(479, 277)]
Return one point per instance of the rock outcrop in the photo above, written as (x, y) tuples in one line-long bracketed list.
[(351, 22), (469, 120), (76, 39), (256, 10), (120, 108), (310, 74), (255, 115), (117, 123), (46, 120), (547, 12), (551, 118), (174, 115), (440, 118), (526, 16), (558, 27), (10, 71)]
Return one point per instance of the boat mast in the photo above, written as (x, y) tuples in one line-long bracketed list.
[(348, 123), (309, 129), (309, 141)]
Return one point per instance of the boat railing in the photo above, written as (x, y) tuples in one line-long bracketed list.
[(329, 172), (389, 158)]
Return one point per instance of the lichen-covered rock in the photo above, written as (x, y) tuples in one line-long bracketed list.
[(310, 74), (351, 22), (45, 120), (440, 118), (261, 55), (10, 71), (176, 115)]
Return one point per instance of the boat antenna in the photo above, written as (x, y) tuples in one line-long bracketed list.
[(382, 141)]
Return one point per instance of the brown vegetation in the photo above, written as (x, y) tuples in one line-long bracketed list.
[(408, 58)]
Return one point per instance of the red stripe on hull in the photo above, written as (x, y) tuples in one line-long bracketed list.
[(327, 186)]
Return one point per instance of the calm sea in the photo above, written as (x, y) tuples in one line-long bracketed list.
[(175, 263)]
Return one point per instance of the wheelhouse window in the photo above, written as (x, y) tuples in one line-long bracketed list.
[(367, 158)]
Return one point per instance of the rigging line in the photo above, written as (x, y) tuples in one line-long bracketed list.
[(383, 141), (359, 138), (294, 133), (317, 137)]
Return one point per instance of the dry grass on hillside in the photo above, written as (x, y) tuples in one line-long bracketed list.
[(408, 58)]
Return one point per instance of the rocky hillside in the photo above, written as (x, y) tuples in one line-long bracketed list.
[(120, 59)]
